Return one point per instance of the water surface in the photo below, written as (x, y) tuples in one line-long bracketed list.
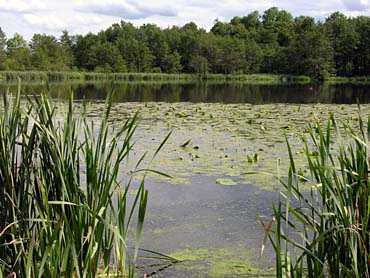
[(208, 213), (211, 92)]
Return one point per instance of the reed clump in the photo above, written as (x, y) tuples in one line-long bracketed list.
[(325, 232), (60, 213)]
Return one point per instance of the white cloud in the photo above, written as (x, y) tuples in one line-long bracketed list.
[(74, 22), (356, 5), (51, 22), (127, 9), (21, 5)]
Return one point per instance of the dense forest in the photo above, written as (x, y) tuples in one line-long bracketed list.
[(273, 42)]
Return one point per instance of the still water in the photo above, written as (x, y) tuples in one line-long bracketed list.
[(212, 92), (207, 214)]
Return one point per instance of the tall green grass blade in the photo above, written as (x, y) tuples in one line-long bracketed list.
[(57, 191), (162, 144), (332, 218)]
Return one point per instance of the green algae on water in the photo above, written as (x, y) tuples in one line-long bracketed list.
[(219, 262)]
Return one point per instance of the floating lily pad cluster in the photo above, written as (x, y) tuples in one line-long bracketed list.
[(215, 139)]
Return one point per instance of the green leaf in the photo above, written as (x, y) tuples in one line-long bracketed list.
[(226, 181), (185, 144)]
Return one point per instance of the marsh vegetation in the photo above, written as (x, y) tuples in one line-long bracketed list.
[(64, 209), (324, 231)]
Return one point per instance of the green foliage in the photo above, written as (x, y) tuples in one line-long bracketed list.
[(2, 49), (49, 54), (63, 211), (362, 56), (18, 54), (311, 53), (325, 232), (274, 43), (199, 65), (172, 63), (344, 40)]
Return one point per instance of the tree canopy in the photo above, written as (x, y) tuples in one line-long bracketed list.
[(272, 42)]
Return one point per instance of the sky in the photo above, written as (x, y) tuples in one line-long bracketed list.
[(28, 17)]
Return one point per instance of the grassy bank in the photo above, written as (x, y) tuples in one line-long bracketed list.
[(348, 80), (38, 76), (256, 78), (325, 232), (63, 208)]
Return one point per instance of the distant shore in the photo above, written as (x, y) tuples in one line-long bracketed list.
[(38, 76)]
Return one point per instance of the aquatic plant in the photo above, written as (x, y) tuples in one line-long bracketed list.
[(59, 212), (31, 76), (325, 232), (91, 76)]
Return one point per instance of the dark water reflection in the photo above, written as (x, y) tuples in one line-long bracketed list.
[(212, 92)]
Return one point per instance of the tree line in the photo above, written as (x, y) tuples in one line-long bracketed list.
[(273, 42)]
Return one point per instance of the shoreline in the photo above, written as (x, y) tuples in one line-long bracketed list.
[(58, 76), (38, 76)]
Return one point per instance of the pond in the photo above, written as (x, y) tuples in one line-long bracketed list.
[(224, 139)]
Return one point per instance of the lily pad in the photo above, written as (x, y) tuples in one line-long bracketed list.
[(226, 181)]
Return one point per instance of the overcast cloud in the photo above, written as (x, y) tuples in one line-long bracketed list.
[(78, 16), (356, 5)]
